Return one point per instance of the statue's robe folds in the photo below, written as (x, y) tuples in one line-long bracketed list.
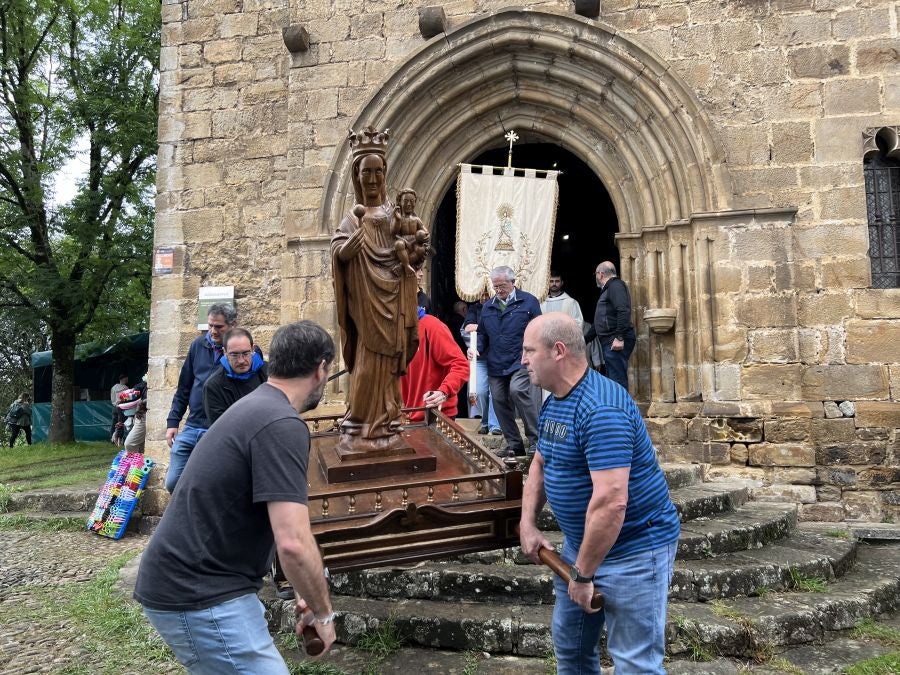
[(376, 307)]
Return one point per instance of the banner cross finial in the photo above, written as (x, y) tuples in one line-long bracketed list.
[(512, 137)]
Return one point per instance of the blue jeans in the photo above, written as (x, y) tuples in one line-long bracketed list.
[(231, 637), (617, 361), (184, 443), (636, 590), (489, 418)]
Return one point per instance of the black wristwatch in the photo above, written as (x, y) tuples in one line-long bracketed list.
[(576, 576)]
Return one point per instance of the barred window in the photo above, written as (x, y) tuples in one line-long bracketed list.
[(881, 169)]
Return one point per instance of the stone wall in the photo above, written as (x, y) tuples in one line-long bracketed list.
[(774, 268)]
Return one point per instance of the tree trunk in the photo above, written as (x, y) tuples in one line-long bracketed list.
[(61, 417)]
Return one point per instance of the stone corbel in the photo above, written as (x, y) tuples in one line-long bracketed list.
[(432, 21), (296, 39), (660, 319), (588, 8)]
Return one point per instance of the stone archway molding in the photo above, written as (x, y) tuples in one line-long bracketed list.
[(554, 77)]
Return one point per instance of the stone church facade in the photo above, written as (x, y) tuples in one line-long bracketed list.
[(731, 135)]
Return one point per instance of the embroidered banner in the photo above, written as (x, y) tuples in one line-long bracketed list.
[(504, 220)]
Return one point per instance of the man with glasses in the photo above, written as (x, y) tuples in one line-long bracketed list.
[(202, 358), (242, 371), (501, 329)]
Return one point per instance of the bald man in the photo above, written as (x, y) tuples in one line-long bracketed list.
[(596, 466), (612, 322)]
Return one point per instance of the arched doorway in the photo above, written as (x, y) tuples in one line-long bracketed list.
[(586, 224), (565, 80)]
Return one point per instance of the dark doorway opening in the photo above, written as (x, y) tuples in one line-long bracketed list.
[(584, 236)]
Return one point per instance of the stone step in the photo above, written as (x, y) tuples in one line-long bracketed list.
[(747, 527), (475, 582), (342, 659), (682, 475), (835, 656), (752, 627), (741, 627), (708, 499), (750, 526), (73, 520), (773, 567), (63, 517), (692, 502), (876, 531), (55, 501)]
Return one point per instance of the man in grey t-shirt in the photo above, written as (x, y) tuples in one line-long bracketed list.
[(243, 494)]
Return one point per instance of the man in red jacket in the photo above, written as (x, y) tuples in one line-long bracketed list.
[(436, 373)]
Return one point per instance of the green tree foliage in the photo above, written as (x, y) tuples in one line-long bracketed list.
[(77, 73)]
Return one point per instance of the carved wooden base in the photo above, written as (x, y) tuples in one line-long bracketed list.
[(408, 534), (449, 495), (341, 467), (355, 446)]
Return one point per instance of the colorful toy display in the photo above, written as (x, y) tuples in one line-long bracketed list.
[(120, 493)]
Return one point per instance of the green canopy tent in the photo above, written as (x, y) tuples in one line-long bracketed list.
[(97, 368)]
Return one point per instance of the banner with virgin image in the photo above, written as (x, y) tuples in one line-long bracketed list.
[(504, 219)]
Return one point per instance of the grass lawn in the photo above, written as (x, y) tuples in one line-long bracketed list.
[(50, 465)]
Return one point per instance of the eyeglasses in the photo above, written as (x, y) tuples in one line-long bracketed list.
[(502, 285), (240, 355)]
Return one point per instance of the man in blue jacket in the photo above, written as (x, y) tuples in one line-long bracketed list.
[(501, 329), (202, 359)]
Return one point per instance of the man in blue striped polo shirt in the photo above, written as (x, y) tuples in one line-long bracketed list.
[(596, 466)]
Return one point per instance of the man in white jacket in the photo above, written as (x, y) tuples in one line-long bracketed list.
[(560, 301)]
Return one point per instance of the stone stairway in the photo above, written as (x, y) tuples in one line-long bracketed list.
[(748, 581), (71, 504), (60, 504)]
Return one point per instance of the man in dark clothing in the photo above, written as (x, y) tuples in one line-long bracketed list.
[(243, 495), (242, 371), (455, 323), (202, 358), (422, 299), (117, 416), (18, 418), (612, 323), (501, 329)]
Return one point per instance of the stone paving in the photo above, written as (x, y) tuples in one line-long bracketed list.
[(34, 568)]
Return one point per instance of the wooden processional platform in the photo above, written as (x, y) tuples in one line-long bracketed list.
[(469, 501)]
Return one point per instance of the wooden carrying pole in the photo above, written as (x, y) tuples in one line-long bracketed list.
[(552, 560)]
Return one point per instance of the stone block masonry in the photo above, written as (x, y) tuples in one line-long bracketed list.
[(728, 135), (849, 463)]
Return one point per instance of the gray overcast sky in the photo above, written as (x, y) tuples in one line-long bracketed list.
[(76, 168)]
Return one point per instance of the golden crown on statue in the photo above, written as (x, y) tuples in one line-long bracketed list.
[(368, 141)]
